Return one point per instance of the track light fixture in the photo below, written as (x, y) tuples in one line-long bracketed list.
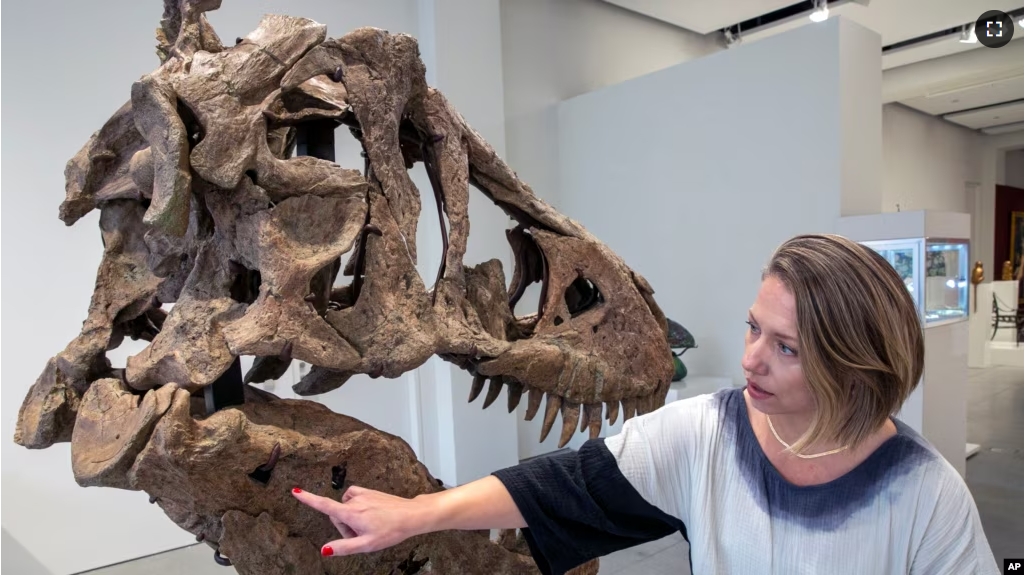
[(821, 11), (968, 34), (731, 38)]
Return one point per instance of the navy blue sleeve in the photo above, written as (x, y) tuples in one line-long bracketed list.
[(579, 506)]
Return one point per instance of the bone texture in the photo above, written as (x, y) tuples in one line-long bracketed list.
[(220, 242)]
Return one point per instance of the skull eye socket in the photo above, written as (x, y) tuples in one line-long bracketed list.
[(245, 285), (582, 296)]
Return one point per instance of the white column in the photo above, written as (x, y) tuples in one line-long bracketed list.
[(461, 46), (861, 119)]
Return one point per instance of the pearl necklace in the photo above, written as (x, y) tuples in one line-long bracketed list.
[(802, 456)]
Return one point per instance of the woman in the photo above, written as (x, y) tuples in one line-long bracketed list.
[(802, 471)]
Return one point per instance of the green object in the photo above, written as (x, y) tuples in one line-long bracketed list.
[(679, 370), (681, 339)]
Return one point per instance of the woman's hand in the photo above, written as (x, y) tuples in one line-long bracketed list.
[(368, 520)]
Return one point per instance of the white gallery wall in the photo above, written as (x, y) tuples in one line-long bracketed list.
[(932, 164), (693, 174), (1013, 169), (927, 161), (554, 50)]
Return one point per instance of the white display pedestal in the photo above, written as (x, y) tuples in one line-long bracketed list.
[(938, 407), (980, 325)]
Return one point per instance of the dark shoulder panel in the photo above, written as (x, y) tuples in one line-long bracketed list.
[(818, 507), (579, 506)]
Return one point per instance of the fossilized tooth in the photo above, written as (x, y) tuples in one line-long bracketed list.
[(494, 388), (534, 397), (612, 411), (593, 414), (585, 410), (570, 416), (642, 405), (551, 410), (648, 403), (629, 408), (113, 426), (476, 387), (267, 368), (320, 380), (651, 403), (515, 391)]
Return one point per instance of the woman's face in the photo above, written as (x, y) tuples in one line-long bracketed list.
[(772, 362)]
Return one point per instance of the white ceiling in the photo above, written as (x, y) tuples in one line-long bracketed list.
[(703, 16), (990, 116), (977, 96), (895, 21)]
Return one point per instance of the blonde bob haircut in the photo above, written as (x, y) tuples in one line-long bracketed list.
[(860, 336)]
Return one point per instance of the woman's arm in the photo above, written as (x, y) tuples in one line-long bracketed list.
[(482, 504), (370, 520)]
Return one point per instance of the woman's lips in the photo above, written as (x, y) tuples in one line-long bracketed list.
[(757, 392)]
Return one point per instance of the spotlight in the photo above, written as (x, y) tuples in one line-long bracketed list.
[(968, 34), (731, 38), (821, 12)]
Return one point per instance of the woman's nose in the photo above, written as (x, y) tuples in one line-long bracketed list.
[(753, 361)]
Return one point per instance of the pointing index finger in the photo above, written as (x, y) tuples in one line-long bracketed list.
[(325, 505)]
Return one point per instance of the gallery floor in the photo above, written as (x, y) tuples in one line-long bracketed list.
[(995, 477)]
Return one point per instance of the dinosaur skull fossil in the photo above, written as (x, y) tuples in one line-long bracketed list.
[(204, 205)]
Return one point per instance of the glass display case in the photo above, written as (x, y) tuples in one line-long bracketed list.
[(935, 271)]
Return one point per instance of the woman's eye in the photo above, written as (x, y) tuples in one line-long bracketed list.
[(754, 328), (787, 350)]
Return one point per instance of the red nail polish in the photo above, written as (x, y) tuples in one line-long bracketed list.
[(296, 490), (327, 551)]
